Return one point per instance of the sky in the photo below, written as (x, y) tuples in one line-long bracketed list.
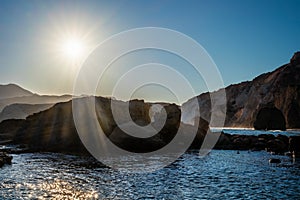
[(244, 38)]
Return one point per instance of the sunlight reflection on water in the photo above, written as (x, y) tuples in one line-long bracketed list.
[(222, 174)]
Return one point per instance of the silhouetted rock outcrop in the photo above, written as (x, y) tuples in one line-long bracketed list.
[(159, 140), (54, 129)]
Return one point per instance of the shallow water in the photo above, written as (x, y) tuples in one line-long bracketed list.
[(220, 175)]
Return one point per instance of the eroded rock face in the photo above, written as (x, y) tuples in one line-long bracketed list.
[(244, 100), (270, 118)]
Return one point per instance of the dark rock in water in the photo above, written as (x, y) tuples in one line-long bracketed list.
[(294, 146), (224, 141), (270, 118), (275, 160), (278, 144), (5, 159)]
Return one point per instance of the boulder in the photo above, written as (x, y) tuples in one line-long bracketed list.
[(274, 160), (277, 146), (5, 159)]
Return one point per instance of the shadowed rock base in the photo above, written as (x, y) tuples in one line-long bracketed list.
[(294, 146), (279, 144)]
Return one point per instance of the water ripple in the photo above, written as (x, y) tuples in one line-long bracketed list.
[(220, 175)]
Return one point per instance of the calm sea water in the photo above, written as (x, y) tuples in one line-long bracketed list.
[(220, 175)]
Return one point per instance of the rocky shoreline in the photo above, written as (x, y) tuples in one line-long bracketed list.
[(280, 144)]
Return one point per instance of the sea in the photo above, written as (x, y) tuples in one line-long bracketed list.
[(222, 174)]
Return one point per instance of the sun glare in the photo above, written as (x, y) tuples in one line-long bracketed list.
[(73, 48)]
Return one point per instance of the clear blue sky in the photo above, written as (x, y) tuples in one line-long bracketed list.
[(244, 38)]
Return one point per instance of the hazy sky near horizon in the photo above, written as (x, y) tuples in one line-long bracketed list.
[(244, 38)]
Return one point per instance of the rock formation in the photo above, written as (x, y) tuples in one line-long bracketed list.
[(294, 146), (244, 100), (5, 158), (277, 144), (54, 129)]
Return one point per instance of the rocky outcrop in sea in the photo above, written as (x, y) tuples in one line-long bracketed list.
[(279, 144), (5, 158), (54, 130)]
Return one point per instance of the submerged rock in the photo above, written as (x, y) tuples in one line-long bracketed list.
[(294, 146), (275, 160), (5, 159)]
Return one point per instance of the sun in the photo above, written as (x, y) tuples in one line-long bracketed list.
[(70, 47), (73, 48)]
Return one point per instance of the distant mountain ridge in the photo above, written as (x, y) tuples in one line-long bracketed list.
[(34, 99), (13, 90), (18, 103), (21, 111)]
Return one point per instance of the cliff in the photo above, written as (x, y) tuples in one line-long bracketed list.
[(280, 88)]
